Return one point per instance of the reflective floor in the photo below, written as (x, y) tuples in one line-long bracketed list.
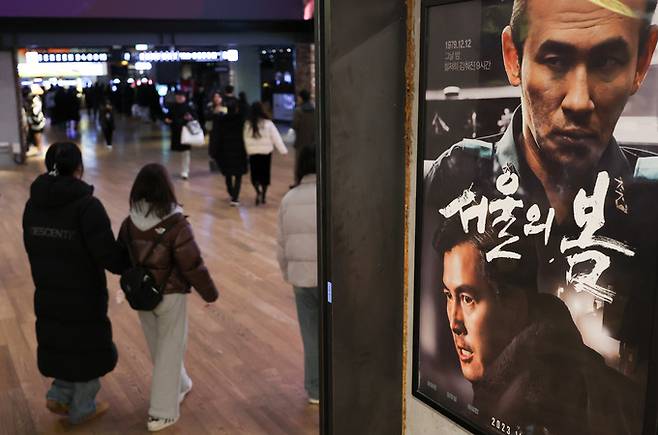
[(244, 352)]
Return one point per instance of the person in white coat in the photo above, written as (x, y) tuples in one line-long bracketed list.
[(260, 138), (297, 255)]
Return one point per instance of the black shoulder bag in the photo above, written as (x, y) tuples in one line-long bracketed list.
[(138, 282)]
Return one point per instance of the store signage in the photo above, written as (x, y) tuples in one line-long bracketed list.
[(33, 57), (194, 56), (62, 69)]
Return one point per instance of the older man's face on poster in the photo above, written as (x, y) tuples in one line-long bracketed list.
[(580, 64)]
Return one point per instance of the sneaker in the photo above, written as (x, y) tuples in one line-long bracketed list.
[(183, 394), (184, 175), (56, 407), (155, 424), (234, 203), (313, 401)]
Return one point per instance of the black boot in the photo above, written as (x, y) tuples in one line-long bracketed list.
[(258, 193), (263, 193)]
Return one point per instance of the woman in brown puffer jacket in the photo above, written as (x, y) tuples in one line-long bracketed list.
[(176, 265)]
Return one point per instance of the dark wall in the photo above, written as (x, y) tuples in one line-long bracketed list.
[(157, 9), (364, 83), (41, 32)]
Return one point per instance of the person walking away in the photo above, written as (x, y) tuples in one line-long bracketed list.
[(157, 225), (199, 100), (89, 95), (297, 256), (101, 92), (59, 117), (229, 98), (69, 243), (36, 121), (214, 110), (244, 104), (20, 150), (229, 149), (260, 138), (72, 110), (303, 123), (107, 122), (180, 113)]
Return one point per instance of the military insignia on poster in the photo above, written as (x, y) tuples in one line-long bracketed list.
[(620, 201)]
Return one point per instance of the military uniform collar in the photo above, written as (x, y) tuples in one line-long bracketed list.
[(507, 155)]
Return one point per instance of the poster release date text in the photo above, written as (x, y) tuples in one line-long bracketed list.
[(504, 428)]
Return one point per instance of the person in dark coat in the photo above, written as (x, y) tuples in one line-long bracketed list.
[(214, 111), (69, 243), (521, 350), (180, 113), (72, 108), (228, 148), (229, 97), (303, 123), (244, 105), (107, 121)]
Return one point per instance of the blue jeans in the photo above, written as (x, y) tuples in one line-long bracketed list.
[(80, 397), (308, 312)]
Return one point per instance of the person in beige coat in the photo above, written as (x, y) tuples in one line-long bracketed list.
[(297, 255)]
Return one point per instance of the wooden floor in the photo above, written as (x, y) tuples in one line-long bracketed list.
[(244, 352)]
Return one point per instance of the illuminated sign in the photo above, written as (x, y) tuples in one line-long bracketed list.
[(143, 66), (195, 56), (62, 69), (33, 57)]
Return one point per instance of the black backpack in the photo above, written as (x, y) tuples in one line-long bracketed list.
[(138, 282)]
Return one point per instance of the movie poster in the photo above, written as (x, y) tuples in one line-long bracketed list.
[(537, 232)]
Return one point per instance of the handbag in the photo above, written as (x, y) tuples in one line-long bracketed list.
[(192, 134), (138, 283)]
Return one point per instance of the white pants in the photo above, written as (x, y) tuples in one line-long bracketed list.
[(185, 162), (165, 329)]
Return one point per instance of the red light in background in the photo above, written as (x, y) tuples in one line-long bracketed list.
[(309, 9)]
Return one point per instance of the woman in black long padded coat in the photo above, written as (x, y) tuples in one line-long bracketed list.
[(69, 243), (227, 147)]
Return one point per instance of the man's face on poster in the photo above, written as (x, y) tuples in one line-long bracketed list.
[(481, 323), (580, 64)]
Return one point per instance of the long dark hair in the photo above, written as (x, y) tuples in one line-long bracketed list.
[(256, 114), (154, 186)]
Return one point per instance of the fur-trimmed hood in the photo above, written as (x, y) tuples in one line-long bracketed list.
[(143, 220)]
